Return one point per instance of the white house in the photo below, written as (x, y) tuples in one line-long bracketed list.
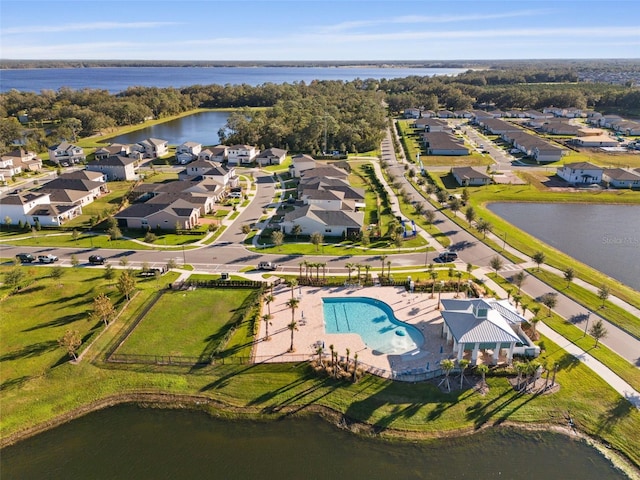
[(580, 173), (241, 154), (66, 153), (301, 163), (154, 147), (187, 152), (329, 223), (621, 178), (35, 208), (214, 154), (116, 167)]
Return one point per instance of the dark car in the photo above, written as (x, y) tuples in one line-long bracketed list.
[(26, 258), (96, 260)]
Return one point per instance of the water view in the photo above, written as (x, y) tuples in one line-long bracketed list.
[(130, 442), (200, 127), (605, 237), (117, 79)]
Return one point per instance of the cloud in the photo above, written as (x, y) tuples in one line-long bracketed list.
[(82, 27), (429, 19)]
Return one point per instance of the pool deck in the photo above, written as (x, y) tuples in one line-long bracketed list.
[(415, 309)]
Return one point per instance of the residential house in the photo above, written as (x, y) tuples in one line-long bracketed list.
[(271, 156), (66, 154), (595, 141), (73, 190), (116, 167), (469, 176), (301, 163), (431, 125), (330, 223), (178, 214), (411, 113), (113, 149), (621, 178), (7, 168), (36, 207), (490, 326), (153, 147), (214, 154), (26, 161), (441, 143), (580, 173), (241, 154), (187, 152)]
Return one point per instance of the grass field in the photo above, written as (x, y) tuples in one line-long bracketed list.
[(186, 323), (269, 391)]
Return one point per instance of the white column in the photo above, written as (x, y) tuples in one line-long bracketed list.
[(474, 354), (510, 354), (496, 354), (460, 350)]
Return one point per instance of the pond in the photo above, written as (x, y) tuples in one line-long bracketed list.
[(605, 237), (201, 127), (131, 442)]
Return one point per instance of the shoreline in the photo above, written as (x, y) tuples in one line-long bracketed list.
[(212, 407)]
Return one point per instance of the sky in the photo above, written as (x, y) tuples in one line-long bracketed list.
[(327, 30)]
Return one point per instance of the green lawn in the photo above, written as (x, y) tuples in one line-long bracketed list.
[(186, 323), (34, 319), (271, 390)]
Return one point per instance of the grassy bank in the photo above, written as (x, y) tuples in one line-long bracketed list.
[(422, 410)]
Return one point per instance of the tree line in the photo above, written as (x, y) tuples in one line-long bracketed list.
[(300, 117)]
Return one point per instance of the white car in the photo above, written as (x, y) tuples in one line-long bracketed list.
[(47, 258)]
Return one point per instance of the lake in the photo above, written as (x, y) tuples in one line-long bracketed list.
[(136, 443), (201, 127), (117, 79), (605, 237)]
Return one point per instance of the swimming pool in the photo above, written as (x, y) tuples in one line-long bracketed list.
[(374, 321)]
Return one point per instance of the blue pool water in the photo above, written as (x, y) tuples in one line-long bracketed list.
[(374, 321)]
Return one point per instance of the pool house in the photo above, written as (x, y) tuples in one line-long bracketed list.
[(488, 327)]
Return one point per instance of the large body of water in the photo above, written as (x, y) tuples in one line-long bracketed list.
[(117, 79), (129, 442), (605, 237), (200, 127)]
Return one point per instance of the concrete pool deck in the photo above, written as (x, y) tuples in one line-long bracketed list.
[(416, 309)]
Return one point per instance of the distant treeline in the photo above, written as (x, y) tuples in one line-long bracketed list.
[(301, 117)]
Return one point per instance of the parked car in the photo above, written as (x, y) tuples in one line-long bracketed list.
[(47, 258), (97, 260), (150, 272), (267, 266), (26, 258), (235, 195), (447, 256)]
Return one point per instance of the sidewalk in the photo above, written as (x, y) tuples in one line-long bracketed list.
[(619, 385)]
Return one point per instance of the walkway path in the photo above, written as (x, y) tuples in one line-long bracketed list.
[(619, 385)]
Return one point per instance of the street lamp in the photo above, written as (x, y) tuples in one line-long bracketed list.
[(440, 292), (504, 241)]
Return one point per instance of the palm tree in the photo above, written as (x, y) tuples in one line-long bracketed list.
[(266, 319), (302, 264), (434, 275), (389, 268), (355, 367), (350, 267), (446, 365), (359, 267), (268, 300), (293, 283), (320, 351), (539, 258), (348, 352), (292, 303), (367, 267), (482, 369), (520, 368), (459, 276), (324, 270), (382, 259), (463, 364)]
